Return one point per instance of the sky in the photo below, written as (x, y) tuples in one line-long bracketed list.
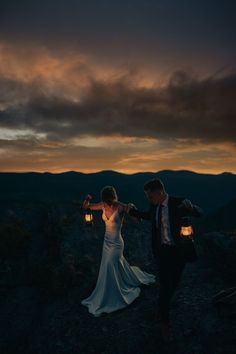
[(128, 85)]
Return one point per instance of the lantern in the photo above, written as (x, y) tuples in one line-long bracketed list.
[(88, 217), (187, 249), (186, 229)]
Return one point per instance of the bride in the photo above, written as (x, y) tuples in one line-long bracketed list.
[(118, 283)]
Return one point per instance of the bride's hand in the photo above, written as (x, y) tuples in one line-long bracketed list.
[(87, 201)]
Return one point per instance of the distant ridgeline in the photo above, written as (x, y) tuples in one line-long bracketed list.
[(211, 192)]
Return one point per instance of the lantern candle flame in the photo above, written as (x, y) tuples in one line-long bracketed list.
[(88, 217), (186, 231)]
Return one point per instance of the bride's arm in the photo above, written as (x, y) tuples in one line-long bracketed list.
[(146, 215), (125, 208), (92, 206)]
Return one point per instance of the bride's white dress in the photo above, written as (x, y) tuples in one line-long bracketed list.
[(117, 283)]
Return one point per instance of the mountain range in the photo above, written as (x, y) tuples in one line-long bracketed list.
[(206, 190)]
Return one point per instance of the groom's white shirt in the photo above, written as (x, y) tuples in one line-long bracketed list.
[(166, 236)]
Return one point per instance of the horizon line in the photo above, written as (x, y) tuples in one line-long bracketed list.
[(118, 172)]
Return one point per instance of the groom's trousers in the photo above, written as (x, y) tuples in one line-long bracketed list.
[(170, 266)]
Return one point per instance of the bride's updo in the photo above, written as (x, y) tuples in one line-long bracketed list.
[(109, 195)]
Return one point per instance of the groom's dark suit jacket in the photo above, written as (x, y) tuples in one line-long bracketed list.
[(176, 213)]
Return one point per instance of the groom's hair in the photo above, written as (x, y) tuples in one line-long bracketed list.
[(154, 184)]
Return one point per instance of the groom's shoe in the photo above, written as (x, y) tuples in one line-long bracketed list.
[(165, 332)]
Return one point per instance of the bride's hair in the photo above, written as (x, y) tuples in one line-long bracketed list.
[(109, 195)]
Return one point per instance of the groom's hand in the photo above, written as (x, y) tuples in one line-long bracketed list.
[(187, 204), (131, 206), (193, 209)]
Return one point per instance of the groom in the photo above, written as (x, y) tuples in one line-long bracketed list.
[(165, 214)]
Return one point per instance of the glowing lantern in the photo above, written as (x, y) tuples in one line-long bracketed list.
[(88, 217), (186, 229)]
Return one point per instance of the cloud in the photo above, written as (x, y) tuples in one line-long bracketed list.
[(186, 108), (62, 111), (32, 154)]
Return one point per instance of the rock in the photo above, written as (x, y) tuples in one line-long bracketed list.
[(220, 249)]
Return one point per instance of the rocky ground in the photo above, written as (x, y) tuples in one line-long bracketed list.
[(41, 311), (64, 326)]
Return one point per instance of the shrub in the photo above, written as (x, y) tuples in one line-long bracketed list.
[(13, 239)]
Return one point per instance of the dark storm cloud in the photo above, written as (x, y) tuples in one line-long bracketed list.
[(187, 108), (157, 26)]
